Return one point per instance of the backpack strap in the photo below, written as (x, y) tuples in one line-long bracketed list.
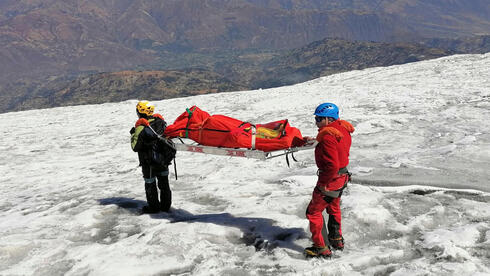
[(175, 169), (163, 139)]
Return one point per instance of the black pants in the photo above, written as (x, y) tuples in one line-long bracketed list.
[(151, 175)]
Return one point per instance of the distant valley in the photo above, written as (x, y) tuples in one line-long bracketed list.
[(48, 47)]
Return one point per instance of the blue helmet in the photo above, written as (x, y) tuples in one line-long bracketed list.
[(327, 110)]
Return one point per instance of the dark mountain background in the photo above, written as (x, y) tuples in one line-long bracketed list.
[(47, 46)]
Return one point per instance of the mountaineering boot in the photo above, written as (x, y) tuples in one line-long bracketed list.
[(151, 198), (165, 194), (318, 252), (337, 243)]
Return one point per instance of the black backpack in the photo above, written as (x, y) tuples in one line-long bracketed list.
[(163, 152)]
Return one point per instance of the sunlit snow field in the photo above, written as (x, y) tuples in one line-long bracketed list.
[(419, 203)]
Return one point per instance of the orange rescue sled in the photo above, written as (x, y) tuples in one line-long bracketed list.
[(234, 137), (227, 132)]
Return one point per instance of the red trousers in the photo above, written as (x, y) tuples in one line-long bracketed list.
[(318, 203)]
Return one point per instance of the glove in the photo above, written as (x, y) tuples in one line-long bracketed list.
[(142, 122)]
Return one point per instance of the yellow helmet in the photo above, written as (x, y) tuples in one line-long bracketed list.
[(145, 107)]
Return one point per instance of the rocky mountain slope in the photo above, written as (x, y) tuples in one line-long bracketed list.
[(46, 44), (331, 56), (474, 45), (119, 86), (53, 36), (317, 59)]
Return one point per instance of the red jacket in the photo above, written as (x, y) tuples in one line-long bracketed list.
[(332, 154)]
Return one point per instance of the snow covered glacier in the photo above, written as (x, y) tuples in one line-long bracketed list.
[(419, 202)]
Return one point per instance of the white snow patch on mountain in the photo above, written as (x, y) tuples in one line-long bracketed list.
[(71, 190)]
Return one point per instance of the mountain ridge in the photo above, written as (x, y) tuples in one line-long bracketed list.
[(74, 36), (320, 58), (48, 41)]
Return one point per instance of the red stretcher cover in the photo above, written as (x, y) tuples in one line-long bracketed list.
[(223, 131)]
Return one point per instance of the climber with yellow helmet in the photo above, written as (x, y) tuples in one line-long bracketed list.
[(145, 138)]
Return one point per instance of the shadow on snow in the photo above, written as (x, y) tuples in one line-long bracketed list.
[(259, 232)]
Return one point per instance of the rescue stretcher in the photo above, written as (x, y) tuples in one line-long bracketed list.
[(223, 135), (194, 147)]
